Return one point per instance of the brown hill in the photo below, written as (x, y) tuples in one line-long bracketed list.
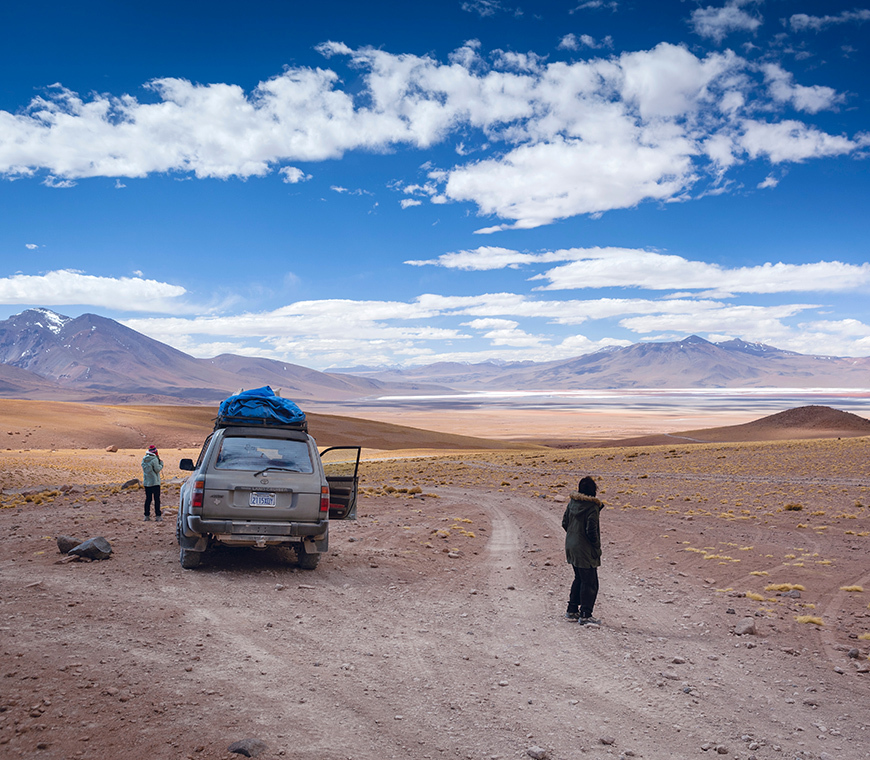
[(804, 422), (65, 425)]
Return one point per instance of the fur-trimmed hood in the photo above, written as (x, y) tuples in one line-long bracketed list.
[(577, 496)]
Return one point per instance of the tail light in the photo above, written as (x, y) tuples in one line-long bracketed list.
[(324, 500), (198, 491)]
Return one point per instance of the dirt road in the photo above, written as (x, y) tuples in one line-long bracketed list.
[(434, 627)]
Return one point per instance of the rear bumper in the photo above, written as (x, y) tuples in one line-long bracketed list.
[(251, 533)]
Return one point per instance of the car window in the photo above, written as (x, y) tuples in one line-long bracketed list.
[(260, 453), (202, 451)]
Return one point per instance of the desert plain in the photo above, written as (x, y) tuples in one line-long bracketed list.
[(734, 595)]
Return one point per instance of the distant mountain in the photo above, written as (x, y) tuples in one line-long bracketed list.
[(91, 358), (44, 355), (689, 363)]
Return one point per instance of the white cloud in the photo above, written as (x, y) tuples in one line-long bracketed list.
[(409, 202), (800, 22), (292, 175), (621, 267), (433, 327), (575, 42), (561, 138), (480, 259), (791, 141), (718, 23), (810, 99), (31, 246), (66, 287)]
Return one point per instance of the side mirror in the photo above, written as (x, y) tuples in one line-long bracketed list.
[(186, 464)]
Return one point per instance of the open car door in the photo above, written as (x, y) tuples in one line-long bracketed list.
[(341, 465)]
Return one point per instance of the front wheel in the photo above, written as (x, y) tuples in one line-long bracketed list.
[(190, 559), (306, 560)]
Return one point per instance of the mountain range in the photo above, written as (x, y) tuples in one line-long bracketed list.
[(44, 355)]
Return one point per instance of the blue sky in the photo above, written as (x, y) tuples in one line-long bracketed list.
[(339, 184)]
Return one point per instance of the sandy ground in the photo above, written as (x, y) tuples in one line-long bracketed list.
[(434, 629)]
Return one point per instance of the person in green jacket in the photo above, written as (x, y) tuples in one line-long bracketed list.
[(151, 467), (583, 550)]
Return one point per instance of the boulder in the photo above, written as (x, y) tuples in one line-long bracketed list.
[(134, 483), (93, 548), (65, 543), (745, 627), (112, 448), (248, 747)]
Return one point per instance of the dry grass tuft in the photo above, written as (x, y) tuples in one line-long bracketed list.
[(809, 619), (784, 587), (851, 588)]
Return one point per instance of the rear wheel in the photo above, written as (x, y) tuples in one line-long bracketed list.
[(190, 559), (307, 560)]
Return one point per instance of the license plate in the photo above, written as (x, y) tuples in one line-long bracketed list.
[(260, 499)]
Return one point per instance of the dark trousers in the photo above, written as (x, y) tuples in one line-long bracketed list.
[(152, 492), (584, 590)]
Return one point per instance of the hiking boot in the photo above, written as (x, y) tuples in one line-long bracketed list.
[(147, 518), (572, 617), (159, 518), (589, 621)]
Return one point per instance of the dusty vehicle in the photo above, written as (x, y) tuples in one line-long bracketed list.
[(265, 485)]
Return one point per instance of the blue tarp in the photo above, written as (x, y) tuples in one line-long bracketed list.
[(262, 407)]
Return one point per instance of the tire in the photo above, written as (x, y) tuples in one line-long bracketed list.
[(190, 559), (306, 560)]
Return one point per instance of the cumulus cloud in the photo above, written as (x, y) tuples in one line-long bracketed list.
[(718, 22), (31, 246), (810, 99), (292, 175), (561, 139), (67, 287)]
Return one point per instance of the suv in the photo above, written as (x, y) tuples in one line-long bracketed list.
[(262, 486)]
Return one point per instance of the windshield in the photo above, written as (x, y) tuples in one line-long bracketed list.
[(263, 453)]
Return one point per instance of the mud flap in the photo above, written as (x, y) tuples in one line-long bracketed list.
[(313, 546), (193, 543)]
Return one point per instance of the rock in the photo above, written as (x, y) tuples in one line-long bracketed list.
[(112, 448), (608, 740), (453, 555), (745, 627), (678, 661), (854, 654), (538, 753), (248, 747), (134, 483), (721, 749), (793, 594), (93, 548), (730, 611), (65, 543)]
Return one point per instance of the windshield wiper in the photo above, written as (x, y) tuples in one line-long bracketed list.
[(275, 467)]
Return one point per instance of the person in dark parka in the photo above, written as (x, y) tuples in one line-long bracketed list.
[(583, 549)]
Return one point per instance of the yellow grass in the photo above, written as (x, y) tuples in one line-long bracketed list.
[(809, 619), (784, 587), (756, 597), (851, 588)]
